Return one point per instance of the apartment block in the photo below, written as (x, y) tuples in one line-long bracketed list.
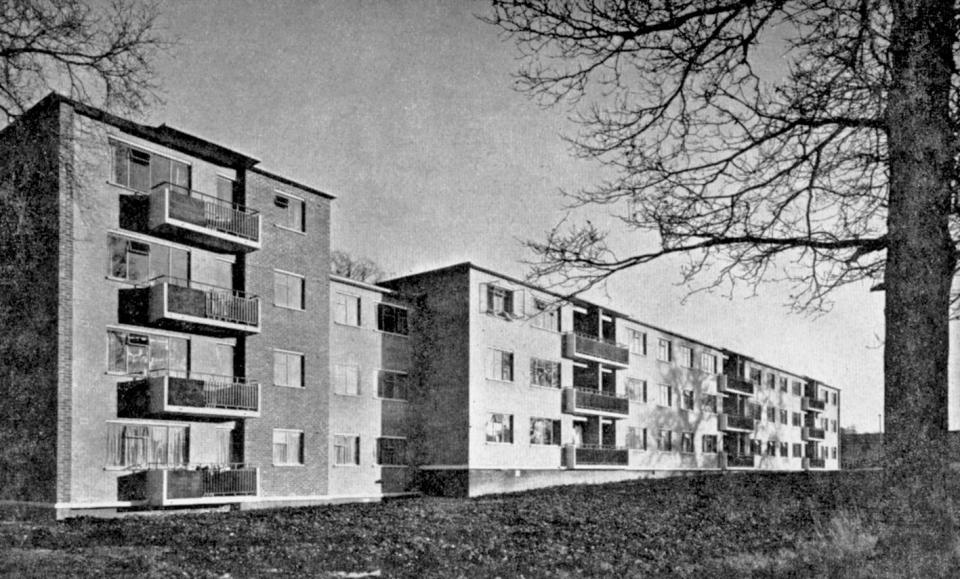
[(172, 338)]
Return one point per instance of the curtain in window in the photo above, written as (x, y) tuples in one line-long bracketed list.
[(178, 449), (223, 446), (135, 445)]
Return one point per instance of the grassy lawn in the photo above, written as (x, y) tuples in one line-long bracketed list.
[(761, 525)]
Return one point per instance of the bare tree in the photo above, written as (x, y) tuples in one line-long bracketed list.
[(100, 55), (357, 268), (839, 166)]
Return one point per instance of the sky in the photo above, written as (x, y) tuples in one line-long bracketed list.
[(405, 110)]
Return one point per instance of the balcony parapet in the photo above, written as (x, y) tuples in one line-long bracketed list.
[(186, 305), (808, 404), (734, 385), (177, 392), (727, 460), (808, 433), (183, 214), (736, 423), (192, 484), (592, 402), (595, 456), (581, 346), (809, 463)]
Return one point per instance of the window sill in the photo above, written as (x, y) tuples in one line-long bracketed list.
[(290, 308), (347, 394), (394, 465), (290, 387), (499, 381), (386, 333), (300, 465), (290, 229), (335, 465), (401, 400), (346, 325), (495, 443), (542, 387)]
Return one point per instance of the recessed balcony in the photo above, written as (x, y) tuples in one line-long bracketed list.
[(184, 215), (808, 404), (809, 463), (192, 485), (594, 403), (727, 460), (734, 385), (595, 456), (187, 306), (736, 423), (809, 433), (580, 346), (193, 393)]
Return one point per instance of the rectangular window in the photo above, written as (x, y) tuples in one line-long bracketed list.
[(708, 362), (664, 350), (833, 452), (500, 365), (709, 443), (636, 389), (499, 301), (135, 353), (544, 373), (825, 424), (500, 428), (665, 440), (784, 451), (142, 171), (392, 385), (755, 376), (129, 260), (771, 448), (756, 447), (797, 450), (392, 319), (783, 384), (666, 395), (771, 381), (288, 290), (686, 400), (771, 414), (796, 419), (545, 431), (346, 379), (636, 438), (290, 212), (797, 388), (287, 447), (346, 450), (833, 398), (146, 445), (709, 403), (545, 316), (783, 416), (685, 355), (392, 451), (346, 309), (686, 442), (638, 343), (833, 425), (287, 369)]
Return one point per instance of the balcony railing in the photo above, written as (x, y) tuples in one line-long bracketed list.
[(808, 404), (814, 463), (734, 385), (191, 306), (205, 219), (192, 484), (728, 460), (210, 390), (735, 422), (583, 401), (595, 456), (577, 345), (809, 433)]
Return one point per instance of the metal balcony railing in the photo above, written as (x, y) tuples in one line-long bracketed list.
[(207, 301), (210, 212), (736, 422), (602, 455), (596, 348), (808, 404), (204, 390), (734, 385), (594, 400)]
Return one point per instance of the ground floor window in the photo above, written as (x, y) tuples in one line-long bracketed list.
[(544, 431), (500, 428), (346, 449), (636, 438), (686, 442), (147, 445), (710, 443), (392, 451), (287, 447)]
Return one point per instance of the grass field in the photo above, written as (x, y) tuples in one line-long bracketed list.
[(761, 525)]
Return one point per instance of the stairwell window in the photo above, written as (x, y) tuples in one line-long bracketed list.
[(287, 447)]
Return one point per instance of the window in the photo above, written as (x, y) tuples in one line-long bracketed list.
[(771, 448), (142, 171), (686, 400), (708, 362), (709, 403), (666, 395), (784, 451), (833, 398), (833, 425), (500, 365), (771, 414), (288, 290), (756, 447), (686, 442), (796, 419), (664, 350), (287, 447), (709, 443), (346, 450), (346, 310), (499, 301), (545, 316), (783, 416), (392, 385), (797, 388), (638, 343), (771, 381), (138, 261), (287, 369), (755, 375), (544, 373), (544, 431), (636, 438), (146, 445), (134, 353), (825, 424), (686, 356), (500, 428), (392, 451), (797, 450), (636, 389), (290, 212), (824, 452), (346, 379), (392, 319), (665, 441), (833, 452), (783, 384)]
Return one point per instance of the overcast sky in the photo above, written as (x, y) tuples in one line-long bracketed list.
[(405, 111)]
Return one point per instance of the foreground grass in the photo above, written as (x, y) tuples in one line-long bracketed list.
[(761, 525)]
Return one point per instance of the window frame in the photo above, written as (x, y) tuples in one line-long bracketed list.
[(291, 200), (303, 367), (685, 357), (348, 298), (495, 361), (664, 350), (638, 338), (491, 437), (382, 308), (538, 368), (346, 441), (300, 458), (553, 432), (708, 448), (402, 452), (403, 377), (642, 398), (335, 376), (279, 274), (545, 316), (686, 443), (668, 389)]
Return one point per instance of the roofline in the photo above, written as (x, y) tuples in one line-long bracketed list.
[(291, 182), (619, 314), (360, 284)]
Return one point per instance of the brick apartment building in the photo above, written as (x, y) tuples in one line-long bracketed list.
[(172, 337)]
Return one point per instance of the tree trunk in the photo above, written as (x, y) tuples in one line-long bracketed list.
[(920, 256)]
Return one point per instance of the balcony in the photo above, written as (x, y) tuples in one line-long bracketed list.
[(809, 463), (736, 423), (592, 402), (808, 404), (809, 433), (595, 456), (193, 393), (727, 460), (579, 346), (180, 214), (193, 485), (734, 385), (183, 305)]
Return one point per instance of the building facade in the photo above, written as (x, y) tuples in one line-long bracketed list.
[(172, 338)]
